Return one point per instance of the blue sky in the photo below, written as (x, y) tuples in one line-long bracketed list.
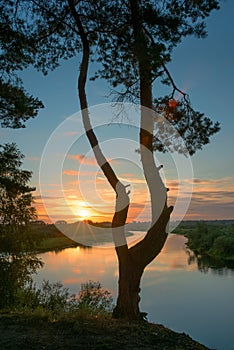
[(202, 67)]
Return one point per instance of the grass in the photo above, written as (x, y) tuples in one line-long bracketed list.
[(74, 331)]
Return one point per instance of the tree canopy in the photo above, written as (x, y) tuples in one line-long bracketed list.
[(42, 34), (16, 209), (16, 105)]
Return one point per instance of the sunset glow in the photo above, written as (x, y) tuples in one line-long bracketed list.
[(84, 213), (212, 199)]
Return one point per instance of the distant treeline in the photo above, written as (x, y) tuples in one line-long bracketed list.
[(209, 238), (213, 239)]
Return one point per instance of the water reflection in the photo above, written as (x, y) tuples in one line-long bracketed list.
[(79, 263), (206, 264), (74, 265), (174, 291)]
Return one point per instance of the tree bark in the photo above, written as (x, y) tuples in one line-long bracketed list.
[(133, 261), (128, 289)]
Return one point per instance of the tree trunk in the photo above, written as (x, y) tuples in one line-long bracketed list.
[(129, 288), (131, 261)]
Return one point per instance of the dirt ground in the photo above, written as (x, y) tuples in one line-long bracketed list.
[(19, 331)]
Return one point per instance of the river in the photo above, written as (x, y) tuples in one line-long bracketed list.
[(174, 293)]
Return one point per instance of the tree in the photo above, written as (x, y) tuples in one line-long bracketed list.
[(132, 40), (17, 259), (16, 106)]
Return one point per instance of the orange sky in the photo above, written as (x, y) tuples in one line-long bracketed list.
[(86, 194)]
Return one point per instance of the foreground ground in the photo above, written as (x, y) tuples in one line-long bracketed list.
[(20, 331)]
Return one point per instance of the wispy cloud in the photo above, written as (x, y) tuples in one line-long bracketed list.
[(71, 172), (211, 198), (81, 159), (221, 181), (133, 180)]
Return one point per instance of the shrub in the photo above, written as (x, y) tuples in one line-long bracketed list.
[(56, 299), (94, 298)]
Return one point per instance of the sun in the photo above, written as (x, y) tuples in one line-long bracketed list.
[(84, 213)]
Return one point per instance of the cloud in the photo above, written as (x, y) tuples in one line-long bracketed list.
[(214, 195), (130, 175), (210, 210), (89, 161), (78, 157), (39, 197), (221, 181), (211, 199), (133, 180), (172, 183), (81, 159), (137, 205), (72, 280), (71, 172)]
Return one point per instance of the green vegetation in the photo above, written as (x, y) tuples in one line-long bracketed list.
[(85, 234), (17, 260), (55, 243), (50, 238), (211, 239), (51, 317), (44, 238), (53, 300)]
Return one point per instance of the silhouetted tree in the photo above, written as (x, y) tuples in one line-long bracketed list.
[(16, 106), (132, 41), (17, 260)]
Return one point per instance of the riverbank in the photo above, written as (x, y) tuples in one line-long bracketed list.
[(55, 244), (21, 331), (214, 240), (55, 238)]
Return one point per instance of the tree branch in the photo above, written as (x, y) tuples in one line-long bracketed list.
[(175, 88), (122, 198), (101, 160), (60, 20)]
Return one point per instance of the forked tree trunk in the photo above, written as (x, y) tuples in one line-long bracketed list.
[(132, 261)]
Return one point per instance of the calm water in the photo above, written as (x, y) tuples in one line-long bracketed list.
[(174, 292)]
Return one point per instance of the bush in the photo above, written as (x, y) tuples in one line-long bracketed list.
[(94, 298), (55, 299), (15, 274), (52, 297)]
